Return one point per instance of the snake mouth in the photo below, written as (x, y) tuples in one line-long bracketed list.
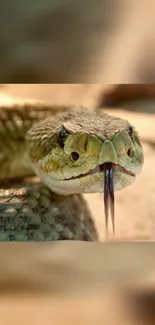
[(102, 168), (109, 200)]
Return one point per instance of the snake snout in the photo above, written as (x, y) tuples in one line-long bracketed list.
[(107, 153)]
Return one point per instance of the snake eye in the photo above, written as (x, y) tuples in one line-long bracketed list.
[(75, 155), (62, 135), (130, 130)]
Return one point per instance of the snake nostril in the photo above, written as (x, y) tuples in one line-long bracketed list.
[(75, 155), (130, 153)]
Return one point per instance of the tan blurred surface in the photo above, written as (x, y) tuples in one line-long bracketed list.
[(88, 283), (75, 283), (68, 310)]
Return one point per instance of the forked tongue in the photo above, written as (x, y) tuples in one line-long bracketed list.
[(109, 195)]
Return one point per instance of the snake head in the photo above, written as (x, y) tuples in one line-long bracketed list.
[(85, 151)]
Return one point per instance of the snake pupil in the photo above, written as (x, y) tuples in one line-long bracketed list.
[(75, 155), (130, 130), (62, 135)]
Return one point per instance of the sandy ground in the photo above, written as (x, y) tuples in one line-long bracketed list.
[(86, 283)]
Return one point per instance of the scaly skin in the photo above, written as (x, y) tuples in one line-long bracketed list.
[(92, 138), (31, 212)]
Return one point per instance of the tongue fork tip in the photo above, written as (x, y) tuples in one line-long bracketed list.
[(109, 196)]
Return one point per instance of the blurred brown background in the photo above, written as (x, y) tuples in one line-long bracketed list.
[(76, 41)]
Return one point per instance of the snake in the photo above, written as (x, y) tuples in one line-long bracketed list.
[(49, 156)]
